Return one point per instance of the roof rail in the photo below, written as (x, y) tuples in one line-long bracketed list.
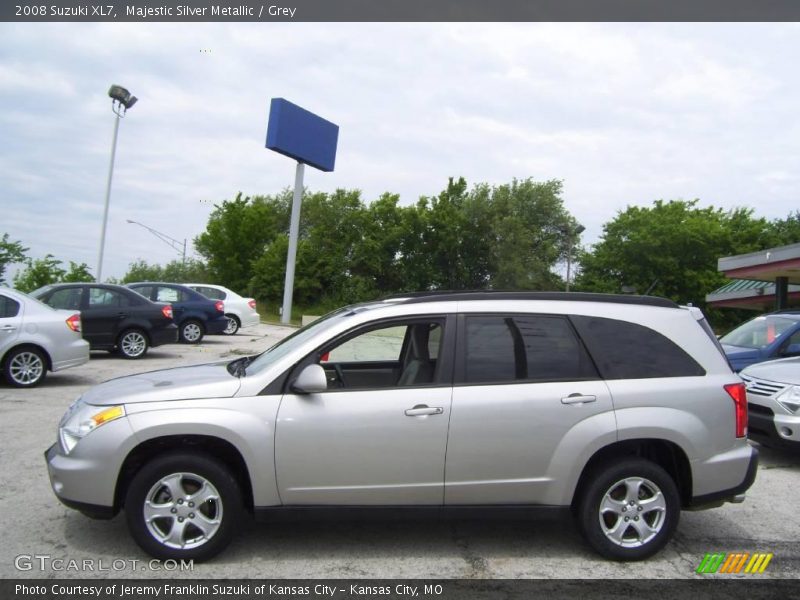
[(467, 295)]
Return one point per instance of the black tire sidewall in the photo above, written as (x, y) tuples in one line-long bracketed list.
[(200, 464), (600, 482), (7, 366), (128, 356)]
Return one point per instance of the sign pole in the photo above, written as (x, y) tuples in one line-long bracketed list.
[(294, 231)]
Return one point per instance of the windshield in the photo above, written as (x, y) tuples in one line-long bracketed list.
[(760, 332), (298, 338)]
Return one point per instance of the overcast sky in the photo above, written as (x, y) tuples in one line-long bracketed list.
[(622, 113)]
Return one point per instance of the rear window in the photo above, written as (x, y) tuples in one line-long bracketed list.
[(623, 350)]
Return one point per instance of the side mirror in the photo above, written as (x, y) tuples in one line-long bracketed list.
[(311, 380)]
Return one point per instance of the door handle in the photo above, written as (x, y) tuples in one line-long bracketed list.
[(421, 410), (122, 315), (577, 399), (8, 328)]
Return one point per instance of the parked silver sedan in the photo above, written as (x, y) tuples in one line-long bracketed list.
[(35, 338)]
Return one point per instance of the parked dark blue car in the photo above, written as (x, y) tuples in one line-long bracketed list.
[(767, 337), (194, 314)]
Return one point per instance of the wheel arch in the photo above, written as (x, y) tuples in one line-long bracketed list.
[(216, 447), (667, 454), (28, 344)]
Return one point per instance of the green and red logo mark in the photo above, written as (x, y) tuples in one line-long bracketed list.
[(734, 562)]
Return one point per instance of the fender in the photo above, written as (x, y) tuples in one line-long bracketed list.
[(246, 423)]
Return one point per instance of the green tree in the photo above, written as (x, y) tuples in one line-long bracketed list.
[(783, 232), (669, 249), (238, 232), (141, 270), (77, 273), (38, 273), (10, 252)]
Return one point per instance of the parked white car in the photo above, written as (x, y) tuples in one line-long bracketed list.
[(241, 312), (35, 338)]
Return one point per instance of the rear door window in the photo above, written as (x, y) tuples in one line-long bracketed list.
[(513, 348)]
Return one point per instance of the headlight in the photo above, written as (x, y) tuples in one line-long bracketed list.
[(790, 399), (83, 419)]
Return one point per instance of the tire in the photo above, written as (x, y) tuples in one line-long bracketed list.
[(174, 528), (611, 497), (191, 332), (132, 344), (25, 367), (233, 325)]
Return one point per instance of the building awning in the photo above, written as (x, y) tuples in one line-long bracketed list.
[(754, 295)]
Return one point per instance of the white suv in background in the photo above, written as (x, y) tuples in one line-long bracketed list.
[(241, 312)]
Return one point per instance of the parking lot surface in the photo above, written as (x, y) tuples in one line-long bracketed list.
[(40, 537)]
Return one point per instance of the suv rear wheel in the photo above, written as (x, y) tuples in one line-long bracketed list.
[(629, 510), (183, 506)]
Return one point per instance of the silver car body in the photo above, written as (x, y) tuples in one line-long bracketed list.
[(40, 326), (773, 396), (479, 444)]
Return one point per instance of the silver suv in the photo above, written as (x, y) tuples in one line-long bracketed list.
[(622, 409)]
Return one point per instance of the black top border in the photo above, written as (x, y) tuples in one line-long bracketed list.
[(448, 295), (400, 10)]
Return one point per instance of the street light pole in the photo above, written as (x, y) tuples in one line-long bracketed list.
[(121, 101), (178, 245)]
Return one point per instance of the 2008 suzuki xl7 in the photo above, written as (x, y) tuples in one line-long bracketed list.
[(622, 408)]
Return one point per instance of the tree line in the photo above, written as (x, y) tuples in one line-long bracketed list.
[(512, 236)]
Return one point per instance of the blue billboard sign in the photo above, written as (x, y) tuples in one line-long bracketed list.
[(299, 134)]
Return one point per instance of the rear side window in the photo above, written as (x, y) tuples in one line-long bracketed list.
[(67, 298), (508, 348), (212, 293), (8, 307), (623, 350)]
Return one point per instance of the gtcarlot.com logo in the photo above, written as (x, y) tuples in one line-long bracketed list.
[(734, 562)]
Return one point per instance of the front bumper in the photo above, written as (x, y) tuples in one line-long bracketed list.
[(771, 428), (94, 511)]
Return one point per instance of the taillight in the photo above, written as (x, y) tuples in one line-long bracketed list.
[(74, 323), (167, 311), (251, 304), (219, 305), (738, 392)]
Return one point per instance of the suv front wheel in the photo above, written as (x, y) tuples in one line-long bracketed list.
[(183, 506), (629, 510)]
